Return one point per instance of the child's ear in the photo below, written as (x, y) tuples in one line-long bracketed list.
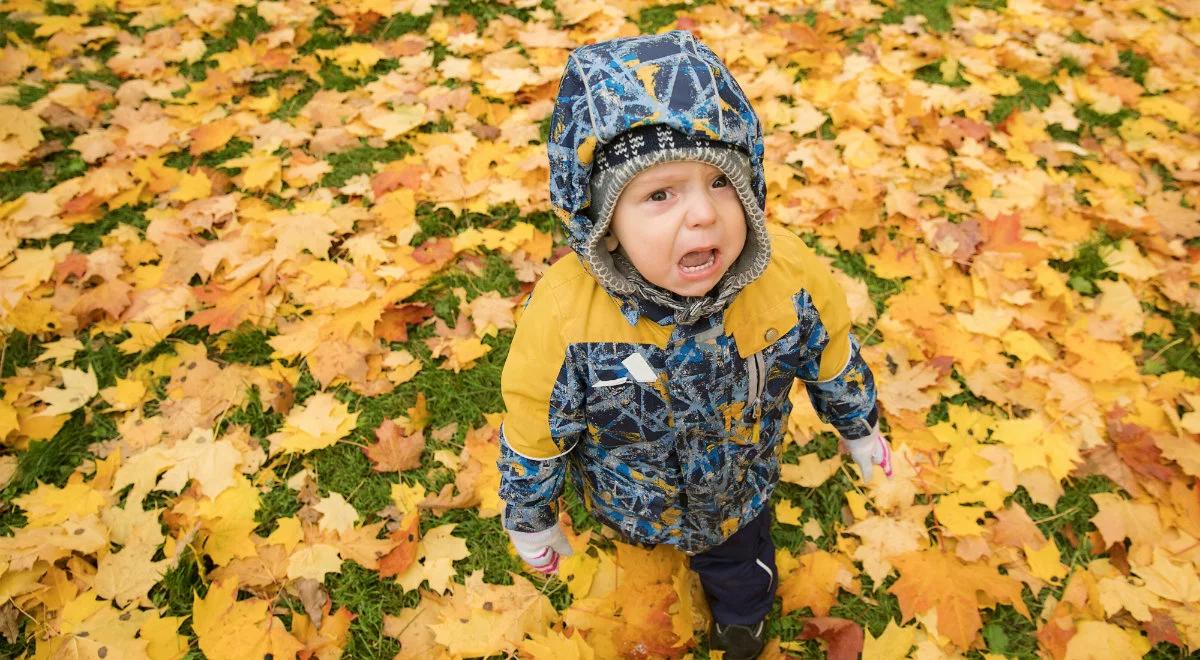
[(610, 242)]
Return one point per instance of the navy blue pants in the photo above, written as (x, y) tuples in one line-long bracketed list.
[(739, 575)]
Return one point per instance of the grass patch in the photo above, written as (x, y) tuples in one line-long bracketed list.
[(293, 104), (1133, 66), (19, 352), (27, 95), (324, 33), (1033, 94), (343, 468), (233, 149), (39, 176), (1070, 521), (464, 397), (261, 421), (936, 13), (1087, 266), (175, 591), (1178, 352), (652, 19), (279, 502), (361, 160), (366, 595), (23, 30), (824, 503), (52, 461), (89, 236), (442, 222), (1008, 633), (497, 275), (245, 26), (246, 344), (932, 73), (1089, 117)]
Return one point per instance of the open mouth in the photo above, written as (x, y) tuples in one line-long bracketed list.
[(698, 261)]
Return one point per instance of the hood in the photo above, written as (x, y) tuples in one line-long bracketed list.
[(612, 86)]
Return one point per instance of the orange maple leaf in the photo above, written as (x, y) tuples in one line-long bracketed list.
[(395, 451), (936, 579), (400, 557)]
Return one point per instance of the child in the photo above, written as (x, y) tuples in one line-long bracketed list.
[(655, 362)]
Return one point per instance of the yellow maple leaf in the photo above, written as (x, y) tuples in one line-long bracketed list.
[(314, 562), (788, 513), (554, 645), (356, 58), (320, 422), (78, 388), (229, 628), (1098, 639), (810, 471), (48, 505), (337, 515), (893, 643), (192, 187), (229, 522)]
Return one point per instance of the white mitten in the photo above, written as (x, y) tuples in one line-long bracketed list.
[(541, 550), (870, 451)]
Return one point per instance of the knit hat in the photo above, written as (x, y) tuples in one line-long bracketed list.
[(618, 162)]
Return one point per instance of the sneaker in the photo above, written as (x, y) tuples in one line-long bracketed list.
[(739, 642)]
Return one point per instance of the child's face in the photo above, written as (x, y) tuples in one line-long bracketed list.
[(681, 224)]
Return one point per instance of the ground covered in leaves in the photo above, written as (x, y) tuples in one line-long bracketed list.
[(260, 261)]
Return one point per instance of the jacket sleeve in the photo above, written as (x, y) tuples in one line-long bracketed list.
[(544, 417), (839, 382)]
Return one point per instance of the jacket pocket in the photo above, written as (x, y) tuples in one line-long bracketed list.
[(614, 412)]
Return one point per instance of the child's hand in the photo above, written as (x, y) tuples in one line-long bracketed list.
[(541, 550), (870, 451)]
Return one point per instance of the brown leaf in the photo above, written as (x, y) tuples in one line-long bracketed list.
[(1054, 636), (1136, 447), (395, 451), (313, 598), (1015, 529), (434, 251), (467, 496), (1161, 628), (843, 637), (393, 323)]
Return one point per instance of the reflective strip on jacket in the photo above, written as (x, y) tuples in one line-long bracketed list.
[(672, 433)]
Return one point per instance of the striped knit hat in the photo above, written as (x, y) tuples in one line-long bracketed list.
[(619, 161)]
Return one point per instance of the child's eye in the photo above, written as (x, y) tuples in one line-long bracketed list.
[(652, 197), (723, 179)]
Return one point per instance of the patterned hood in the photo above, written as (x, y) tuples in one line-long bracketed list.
[(670, 79)]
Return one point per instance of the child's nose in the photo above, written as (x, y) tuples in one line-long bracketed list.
[(702, 210)]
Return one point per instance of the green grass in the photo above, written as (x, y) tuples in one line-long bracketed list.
[(20, 350), (1070, 521), (361, 160), (1133, 66), (932, 74), (1033, 94), (22, 29), (1176, 352), (52, 461), (88, 237), (39, 176), (936, 13), (1088, 265), (370, 599)]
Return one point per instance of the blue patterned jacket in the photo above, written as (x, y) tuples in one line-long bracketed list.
[(671, 432)]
